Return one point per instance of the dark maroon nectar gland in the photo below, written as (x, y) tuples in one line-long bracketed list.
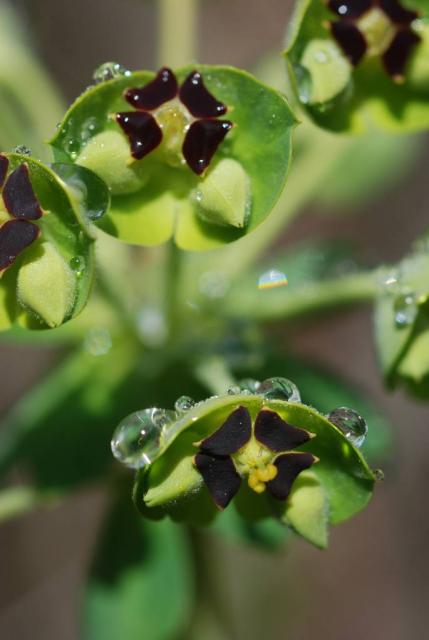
[(375, 28), (21, 202), (264, 454), (182, 122)]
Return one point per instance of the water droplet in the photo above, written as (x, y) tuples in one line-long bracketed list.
[(77, 263), (90, 128), (272, 279), (183, 404), (152, 326), (321, 57), (163, 418), (108, 71), (279, 389), (378, 474), (98, 341), (249, 385), (405, 308), (72, 145), (213, 284), (137, 439), (22, 149), (351, 424), (234, 390), (389, 281)]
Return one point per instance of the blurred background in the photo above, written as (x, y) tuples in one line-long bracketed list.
[(372, 582)]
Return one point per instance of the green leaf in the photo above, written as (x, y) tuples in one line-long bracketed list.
[(61, 429), (402, 320), (50, 281), (140, 584), (340, 97), (151, 200), (307, 509)]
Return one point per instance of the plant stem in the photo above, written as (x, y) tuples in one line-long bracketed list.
[(177, 32), (17, 501), (284, 304)]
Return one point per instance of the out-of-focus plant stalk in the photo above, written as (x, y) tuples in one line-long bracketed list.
[(30, 105), (177, 32)]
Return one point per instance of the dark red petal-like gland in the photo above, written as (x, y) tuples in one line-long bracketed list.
[(277, 434), (202, 141), (350, 40), (142, 131), (15, 236), (289, 466), (220, 477), (234, 433), (4, 166), (397, 55), (349, 8), (19, 197), (162, 89), (198, 100), (397, 13)]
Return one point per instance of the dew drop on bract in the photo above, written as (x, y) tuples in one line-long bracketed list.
[(272, 279), (98, 341), (108, 71), (183, 405), (351, 424), (77, 264), (137, 439), (249, 385), (405, 309), (279, 389), (234, 390), (378, 474), (22, 150), (389, 281)]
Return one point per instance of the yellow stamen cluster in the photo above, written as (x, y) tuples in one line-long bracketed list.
[(258, 478)]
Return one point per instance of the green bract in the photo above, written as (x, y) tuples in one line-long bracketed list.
[(338, 485), (159, 196), (352, 71), (46, 245), (402, 323)]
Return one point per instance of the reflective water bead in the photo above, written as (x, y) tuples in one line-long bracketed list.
[(351, 424), (234, 390), (405, 309), (77, 263), (183, 404), (249, 385), (22, 149), (279, 389), (98, 341), (163, 418), (136, 441), (389, 280), (108, 71), (378, 474), (272, 279)]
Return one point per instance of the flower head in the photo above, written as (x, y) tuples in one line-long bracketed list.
[(21, 209), (187, 116), (263, 454)]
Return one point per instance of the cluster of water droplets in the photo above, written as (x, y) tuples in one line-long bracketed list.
[(22, 150), (272, 389), (109, 71), (350, 423), (405, 301)]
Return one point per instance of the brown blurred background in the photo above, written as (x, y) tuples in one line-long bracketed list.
[(372, 582)]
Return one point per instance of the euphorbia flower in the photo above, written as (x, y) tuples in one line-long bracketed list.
[(359, 62), (265, 456), (188, 114), (21, 203)]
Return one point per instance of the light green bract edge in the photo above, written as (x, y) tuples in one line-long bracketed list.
[(358, 99), (41, 290), (163, 206), (171, 484)]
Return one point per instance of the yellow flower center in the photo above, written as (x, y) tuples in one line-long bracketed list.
[(255, 461), (174, 120), (378, 30)]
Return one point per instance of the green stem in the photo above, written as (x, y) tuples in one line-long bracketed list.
[(177, 32), (284, 304), (214, 374), (17, 501), (172, 291)]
